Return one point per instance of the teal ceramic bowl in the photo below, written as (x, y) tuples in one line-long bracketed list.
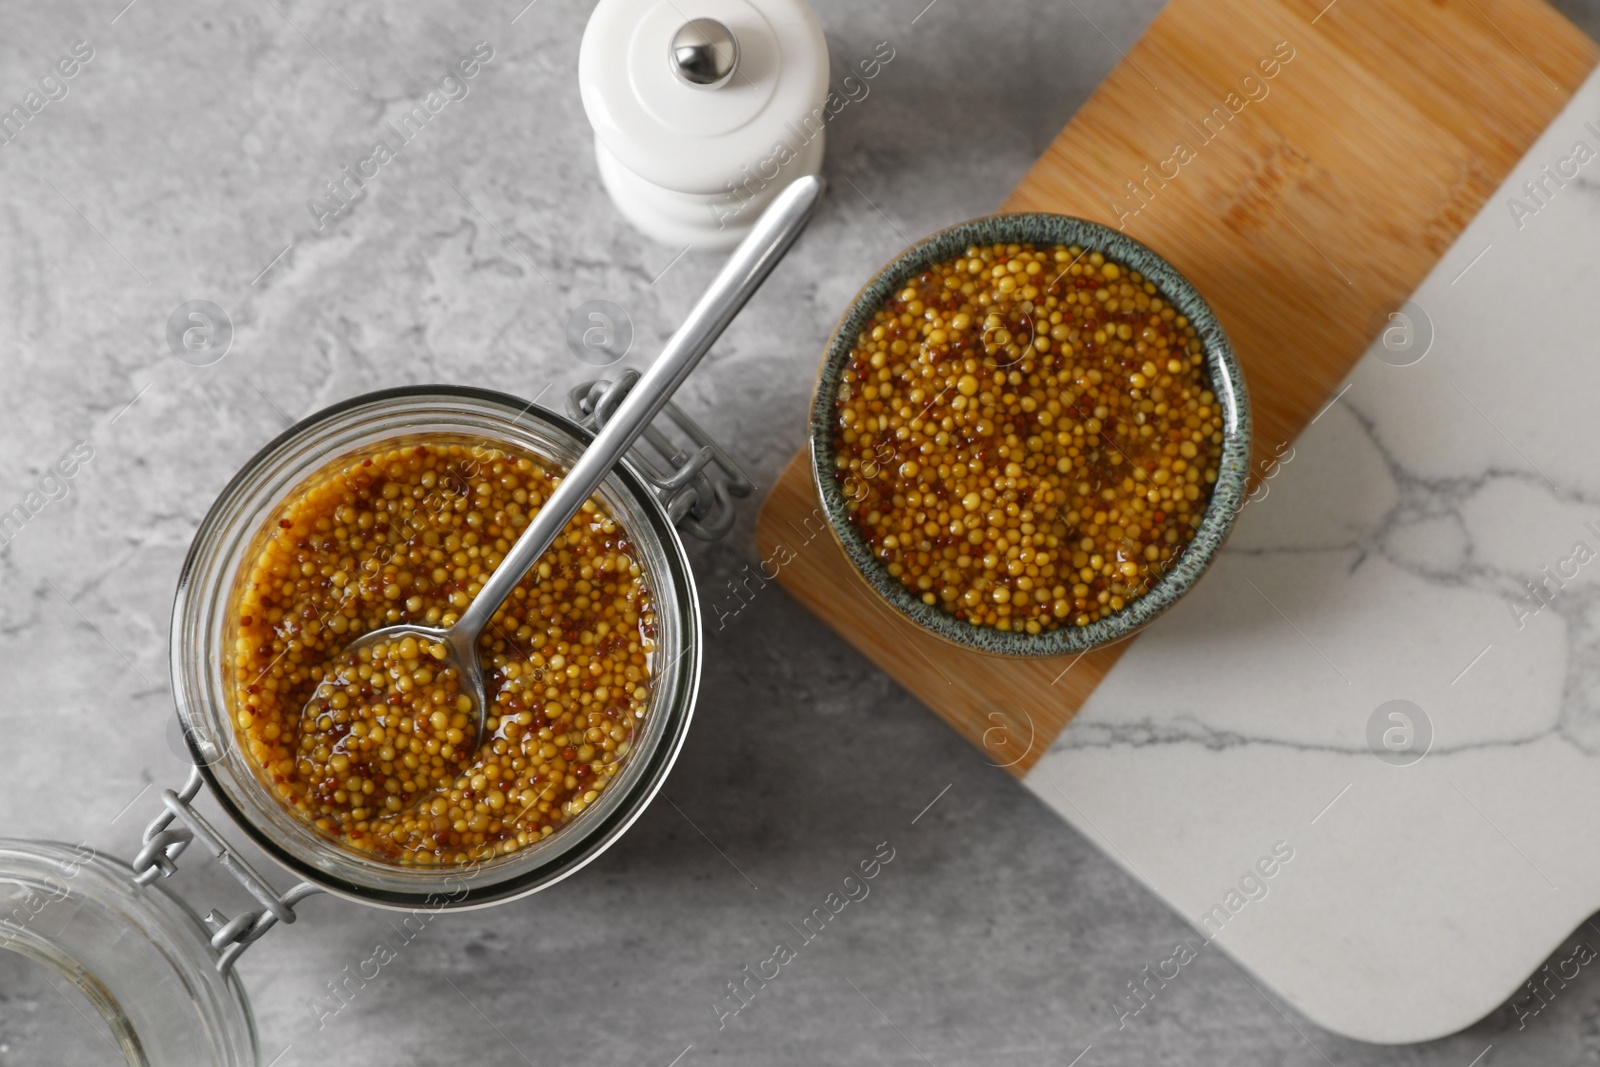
[(1226, 382)]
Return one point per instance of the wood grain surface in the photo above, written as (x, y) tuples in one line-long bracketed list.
[(1305, 164)]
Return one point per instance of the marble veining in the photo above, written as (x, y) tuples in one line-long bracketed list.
[(1426, 531)]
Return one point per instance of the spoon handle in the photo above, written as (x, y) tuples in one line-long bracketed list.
[(743, 274)]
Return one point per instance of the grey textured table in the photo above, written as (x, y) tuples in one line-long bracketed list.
[(178, 167)]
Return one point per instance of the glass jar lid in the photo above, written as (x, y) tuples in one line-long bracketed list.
[(137, 953)]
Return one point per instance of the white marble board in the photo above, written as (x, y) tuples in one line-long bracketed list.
[(1393, 555)]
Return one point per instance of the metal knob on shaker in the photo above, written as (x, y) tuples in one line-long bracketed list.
[(704, 54)]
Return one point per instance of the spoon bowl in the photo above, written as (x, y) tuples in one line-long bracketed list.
[(460, 653)]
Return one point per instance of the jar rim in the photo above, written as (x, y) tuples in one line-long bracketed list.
[(222, 545)]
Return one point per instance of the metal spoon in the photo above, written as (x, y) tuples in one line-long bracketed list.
[(743, 274)]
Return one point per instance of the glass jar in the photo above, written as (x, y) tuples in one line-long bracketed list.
[(161, 978), (223, 546), (137, 953)]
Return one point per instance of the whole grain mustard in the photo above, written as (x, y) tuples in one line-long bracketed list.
[(1027, 437), (376, 749)]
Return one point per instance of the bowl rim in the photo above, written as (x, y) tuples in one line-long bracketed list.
[(1222, 368)]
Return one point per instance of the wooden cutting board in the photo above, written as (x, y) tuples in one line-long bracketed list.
[(1309, 204)]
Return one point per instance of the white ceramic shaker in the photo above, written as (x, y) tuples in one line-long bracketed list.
[(703, 110)]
